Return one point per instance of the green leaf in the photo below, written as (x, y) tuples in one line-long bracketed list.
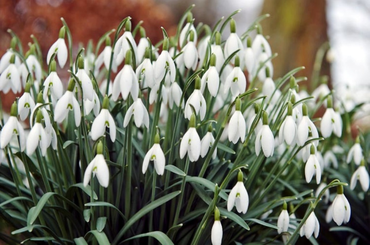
[(68, 143), (86, 189), (175, 170), (35, 211), (263, 223), (100, 223), (80, 241), (15, 199), (160, 236), (234, 217), (105, 204), (208, 184), (225, 148), (100, 237), (143, 211), (87, 214)]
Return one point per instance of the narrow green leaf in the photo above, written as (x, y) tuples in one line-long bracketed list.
[(160, 236), (87, 214), (144, 211), (86, 189), (263, 223), (175, 170), (15, 199), (234, 217), (100, 237), (80, 241), (35, 211), (225, 148), (105, 204), (205, 182), (100, 223), (68, 143)]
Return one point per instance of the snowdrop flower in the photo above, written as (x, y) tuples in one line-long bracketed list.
[(104, 119), (306, 127), (355, 153), (159, 91), (268, 86), (142, 46), (190, 142), (249, 56), (260, 45), (126, 81), (362, 175), (174, 95), (10, 78), (12, 127), (233, 43), (190, 53), (329, 214), (211, 78), (156, 155), (141, 116), (330, 159), (164, 63), (321, 91), (207, 143), (236, 80), (123, 45), (202, 48), (67, 103), (238, 196), (217, 50), (251, 114), (288, 129), (5, 60), (262, 62), (185, 32), (52, 84), (326, 195), (265, 139), (104, 58), (311, 226), (237, 125), (145, 72), (98, 166), (37, 136), (60, 48), (216, 231), (93, 105), (25, 103), (341, 207), (283, 220), (196, 101), (86, 84), (331, 121), (312, 166)]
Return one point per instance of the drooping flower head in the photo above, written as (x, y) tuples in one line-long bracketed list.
[(355, 153), (155, 155), (196, 102), (238, 196), (331, 121), (103, 120), (211, 77), (361, 175), (59, 48), (233, 44), (311, 226), (288, 129), (216, 232), (283, 220), (312, 166), (237, 125), (341, 207), (265, 139), (98, 166), (207, 143), (190, 142), (26, 104), (10, 78)]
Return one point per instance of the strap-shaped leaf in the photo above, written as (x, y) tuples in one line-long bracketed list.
[(100, 237), (160, 236)]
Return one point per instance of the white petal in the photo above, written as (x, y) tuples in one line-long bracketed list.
[(184, 145), (62, 52), (267, 141), (138, 113), (33, 138), (326, 123), (98, 126), (77, 111), (194, 148), (112, 127), (102, 170), (88, 172), (283, 221), (7, 131), (216, 233), (128, 115), (244, 198), (160, 161), (231, 198)]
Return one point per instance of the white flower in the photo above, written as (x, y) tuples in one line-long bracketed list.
[(190, 55), (104, 119), (362, 175), (237, 127), (326, 193), (123, 45), (190, 143), (98, 167), (67, 103), (216, 233), (330, 159), (104, 58), (311, 226), (321, 91), (239, 197), (331, 122), (196, 101), (236, 81), (153, 96), (220, 58), (87, 87), (268, 88), (145, 74), (10, 128), (233, 43), (306, 127), (207, 143), (202, 49), (288, 129), (212, 79), (265, 139), (33, 66), (141, 47), (283, 221), (53, 84), (341, 209), (5, 60), (249, 59), (10, 79), (92, 105), (259, 45), (185, 33), (37, 136), (329, 214), (312, 167), (355, 153), (174, 95), (156, 155), (141, 116), (25, 105), (163, 63), (125, 83), (60, 48)]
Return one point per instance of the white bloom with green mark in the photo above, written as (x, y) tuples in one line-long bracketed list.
[(216, 231), (196, 102), (37, 136), (288, 129), (341, 207), (98, 166), (355, 153), (283, 220), (59, 48), (265, 139), (155, 155), (235, 81), (103, 120), (233, 44), (331, 122), (207, 143), (164, 65), (211, 78), (312, 166), (237, 125), (362, 176), (311, 226), (10, 78), (190, 142), (140, 113), (52, 85), (305, 128), (25, 103), (238, 196)]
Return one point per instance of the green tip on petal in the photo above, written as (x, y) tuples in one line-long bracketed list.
[(340, 190), (166, 44), (71, 85), (358, 139), (13, 43), (249, 42), (232, 26), (99, 147), (312, 149), (217, 214), (218, 38), (212, 61), (290, 108), (237, 61), (189, 17), (238, 104), (210, 128), (304, 109), (197, 82), (265, 119), (80, 62), (128, 58), (53, 66), (267, 72), (39, 116), (27, 88), (285, 206), (240, 176), (142, 32), (105, 103), (128, 25), (14, 109), (40, 98), (191, 36), (329, 102), (12, 59), (62, 32), (192, 121), (107, 41)]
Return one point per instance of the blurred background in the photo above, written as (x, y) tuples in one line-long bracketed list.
[(296, 29)]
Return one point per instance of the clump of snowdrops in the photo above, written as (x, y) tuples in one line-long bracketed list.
[(188, 141)]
